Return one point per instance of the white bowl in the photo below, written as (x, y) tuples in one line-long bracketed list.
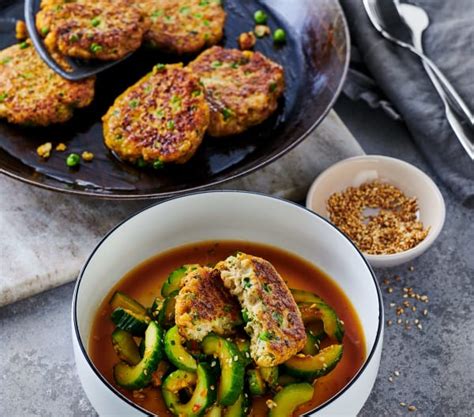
[(412, 181), (224, 215)]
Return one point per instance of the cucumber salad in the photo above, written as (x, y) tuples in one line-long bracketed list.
[(217, 376)]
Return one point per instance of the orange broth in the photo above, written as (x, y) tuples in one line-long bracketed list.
[(144, 283)]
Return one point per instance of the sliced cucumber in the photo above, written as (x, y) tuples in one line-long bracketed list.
[(176, 353), (173, 283), (256, 383), (131, 322), (240, 408), (244, 348), (166, 315), (269, 375), (290, 398), (214, 411), (314, 366), (119, 299), (203, 396), (284, 380), (125, 347), (232, 369), (138, 376), (313, 307), (311, 346), (156, 307)]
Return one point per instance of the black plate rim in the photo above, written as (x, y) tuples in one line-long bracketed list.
[(159, 195)]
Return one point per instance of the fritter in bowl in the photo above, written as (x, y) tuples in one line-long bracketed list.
[(33, 94), (203, 306), (274, 322), (160, 119), (184, 26), (242, 88), (100, 29)]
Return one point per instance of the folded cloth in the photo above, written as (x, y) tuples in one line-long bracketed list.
[(46, 236), (449, 42)]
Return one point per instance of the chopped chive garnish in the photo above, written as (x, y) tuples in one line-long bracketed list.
[(206, 22), (160, 113), (3, 96), (272, 87), (204, 3), (184, 10), (196, 93), (160, 67), (95, 22), (5, 60), (73, 38), (216, 64), (170, 124), (24, 45), (133, 103)]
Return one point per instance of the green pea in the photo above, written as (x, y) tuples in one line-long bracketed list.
[(158, 164), (95, 47), (260, 17), (141, 163), (227, 113), (44, 31), (24, 45), (95, 22), (73, 160), (279, 36), (74, 37)]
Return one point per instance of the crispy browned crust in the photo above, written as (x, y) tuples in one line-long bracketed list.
[(275, 325), (31, 93), (98, 29), (184, 26), (242, 88), (164, 117), (204, 305)]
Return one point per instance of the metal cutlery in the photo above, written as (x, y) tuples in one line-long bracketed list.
[(385, 18), (417, 20)]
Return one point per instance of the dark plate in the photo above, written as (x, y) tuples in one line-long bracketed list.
[(315, 58)]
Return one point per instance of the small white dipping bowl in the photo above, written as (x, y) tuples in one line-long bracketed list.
[(412, 181), (226, 215)]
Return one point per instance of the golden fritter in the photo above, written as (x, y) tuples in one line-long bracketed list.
[(242, 88), (203, 306), (98, 29), (31, 93), (274, 322), (160, 119), (184, 26)]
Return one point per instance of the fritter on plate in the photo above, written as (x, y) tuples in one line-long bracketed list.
[(33, 94), (161, 119), (184, 26), (203, 306), (242, 88), (274, 322), (98, 29)]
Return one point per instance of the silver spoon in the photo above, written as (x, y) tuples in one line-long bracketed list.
[(386, 21), (417, 20)]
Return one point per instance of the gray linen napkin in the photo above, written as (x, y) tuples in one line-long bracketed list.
[(449, 42), (46, 236)]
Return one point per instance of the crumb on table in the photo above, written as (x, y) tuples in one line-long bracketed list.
[(247, 40), (44, 150)]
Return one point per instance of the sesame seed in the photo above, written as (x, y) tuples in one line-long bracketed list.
[(390, 379), (411, 408), (402, 404), (389, 322), (396, 373)]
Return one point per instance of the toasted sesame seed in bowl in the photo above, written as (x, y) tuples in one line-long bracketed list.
[(390, 209)]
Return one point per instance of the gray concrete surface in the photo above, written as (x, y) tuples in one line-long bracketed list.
[(435, 364)]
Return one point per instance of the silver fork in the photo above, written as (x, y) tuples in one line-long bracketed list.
[(372, 9), (417, 20)]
